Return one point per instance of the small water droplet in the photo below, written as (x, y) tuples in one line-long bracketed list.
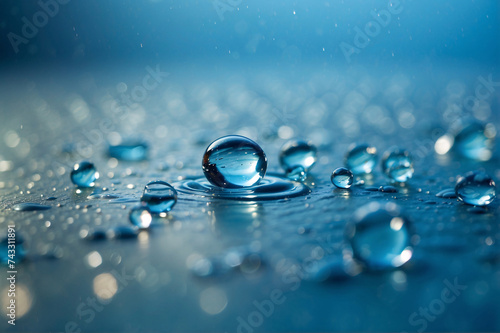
[(475, 141), (296, 174), (29, 206), (342, 178), (84, 174), (159, 197), (380, 236), (361, 159), (132, 150), (388, 189), (476, 188), (141, 217), (397, 164), (233, 162), (298, 154)]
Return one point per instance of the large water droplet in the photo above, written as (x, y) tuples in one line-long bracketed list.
[(475, 141), (141, 217), (298, 154), (361, 159), (29, 206), (129, 151), (476, 188), (159, 197), (233, 162), (380, 236), (397, 164), (342, 178), (84, 174)]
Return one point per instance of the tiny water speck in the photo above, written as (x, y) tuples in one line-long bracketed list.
[(298, 154), (476, 188), (361, 159), (380, 236), (342, 178), (159, 197), (397, 164), (84, 174), (141, 217), (234, 162)]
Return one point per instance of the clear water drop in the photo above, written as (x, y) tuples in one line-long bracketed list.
[(342, 178), (297, 174), (29, 206), (380, 236), (397, 164), (159, 197), (298, 154), (361, 159), (84, 174), (141, 217), (475, 141), (234, 162), (132, 150), (476, 188)]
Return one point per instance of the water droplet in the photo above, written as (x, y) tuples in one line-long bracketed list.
[(448, 193), (29, 206), (361, 159), (397, 164), (388, 189), (84, 174), (129, 151), (159, 197), (475, 141), (233, 162), (20, 253), (141, 217), (380, 236), (297, 174), (476, 188), (342, 178), (298, 154)]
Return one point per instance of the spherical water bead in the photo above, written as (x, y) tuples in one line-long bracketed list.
[(380, 236), (141, 217), (84, 174), (234, 161), (475, 141), (342, 178), (159, 197), (476, 188), (397, 164), (361, 159), (298, 154)]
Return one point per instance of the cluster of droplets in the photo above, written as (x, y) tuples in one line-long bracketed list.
[(158, 197), (397, 165)]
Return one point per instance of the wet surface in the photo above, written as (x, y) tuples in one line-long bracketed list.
[(210, 264)]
